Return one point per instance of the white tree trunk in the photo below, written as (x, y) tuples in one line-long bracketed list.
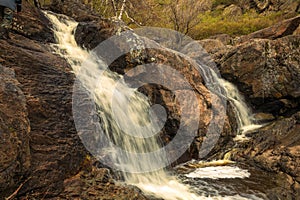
[(122, 10)]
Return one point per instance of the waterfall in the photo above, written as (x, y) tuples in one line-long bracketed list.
[(140, 171), (242, 112), (222, 87), (157, 182)]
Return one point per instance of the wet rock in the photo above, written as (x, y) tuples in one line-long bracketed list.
[(47, 82), (147, 59), (90, 34), (173, 101), (267, 72), (92, 29)]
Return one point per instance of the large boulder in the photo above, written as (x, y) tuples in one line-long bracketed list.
[(90, 34), (267, 72), (47, 82)]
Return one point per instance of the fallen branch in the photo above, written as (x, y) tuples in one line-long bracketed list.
[(17, 190)]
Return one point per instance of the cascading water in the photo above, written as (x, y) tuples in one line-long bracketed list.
[(153, 180), (157, 182), (242, 111)]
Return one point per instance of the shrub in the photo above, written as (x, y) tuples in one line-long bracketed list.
[(213, 24)]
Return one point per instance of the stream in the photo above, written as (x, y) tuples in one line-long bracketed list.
[(220, 180)]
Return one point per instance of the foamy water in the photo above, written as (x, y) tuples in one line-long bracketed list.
[(219, 172)]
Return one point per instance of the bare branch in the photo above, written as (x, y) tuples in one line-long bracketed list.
[(184, 13), (122, 10)]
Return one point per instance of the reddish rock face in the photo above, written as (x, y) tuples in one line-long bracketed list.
[(14, 131), (46, 81)]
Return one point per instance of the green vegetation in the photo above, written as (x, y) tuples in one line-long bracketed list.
[(213, 23), (197, 18)]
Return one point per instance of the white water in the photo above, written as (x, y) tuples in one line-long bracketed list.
[(102, 87), (219, 172), (243, 113)]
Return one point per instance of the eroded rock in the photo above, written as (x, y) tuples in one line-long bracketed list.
[(14, 132)]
